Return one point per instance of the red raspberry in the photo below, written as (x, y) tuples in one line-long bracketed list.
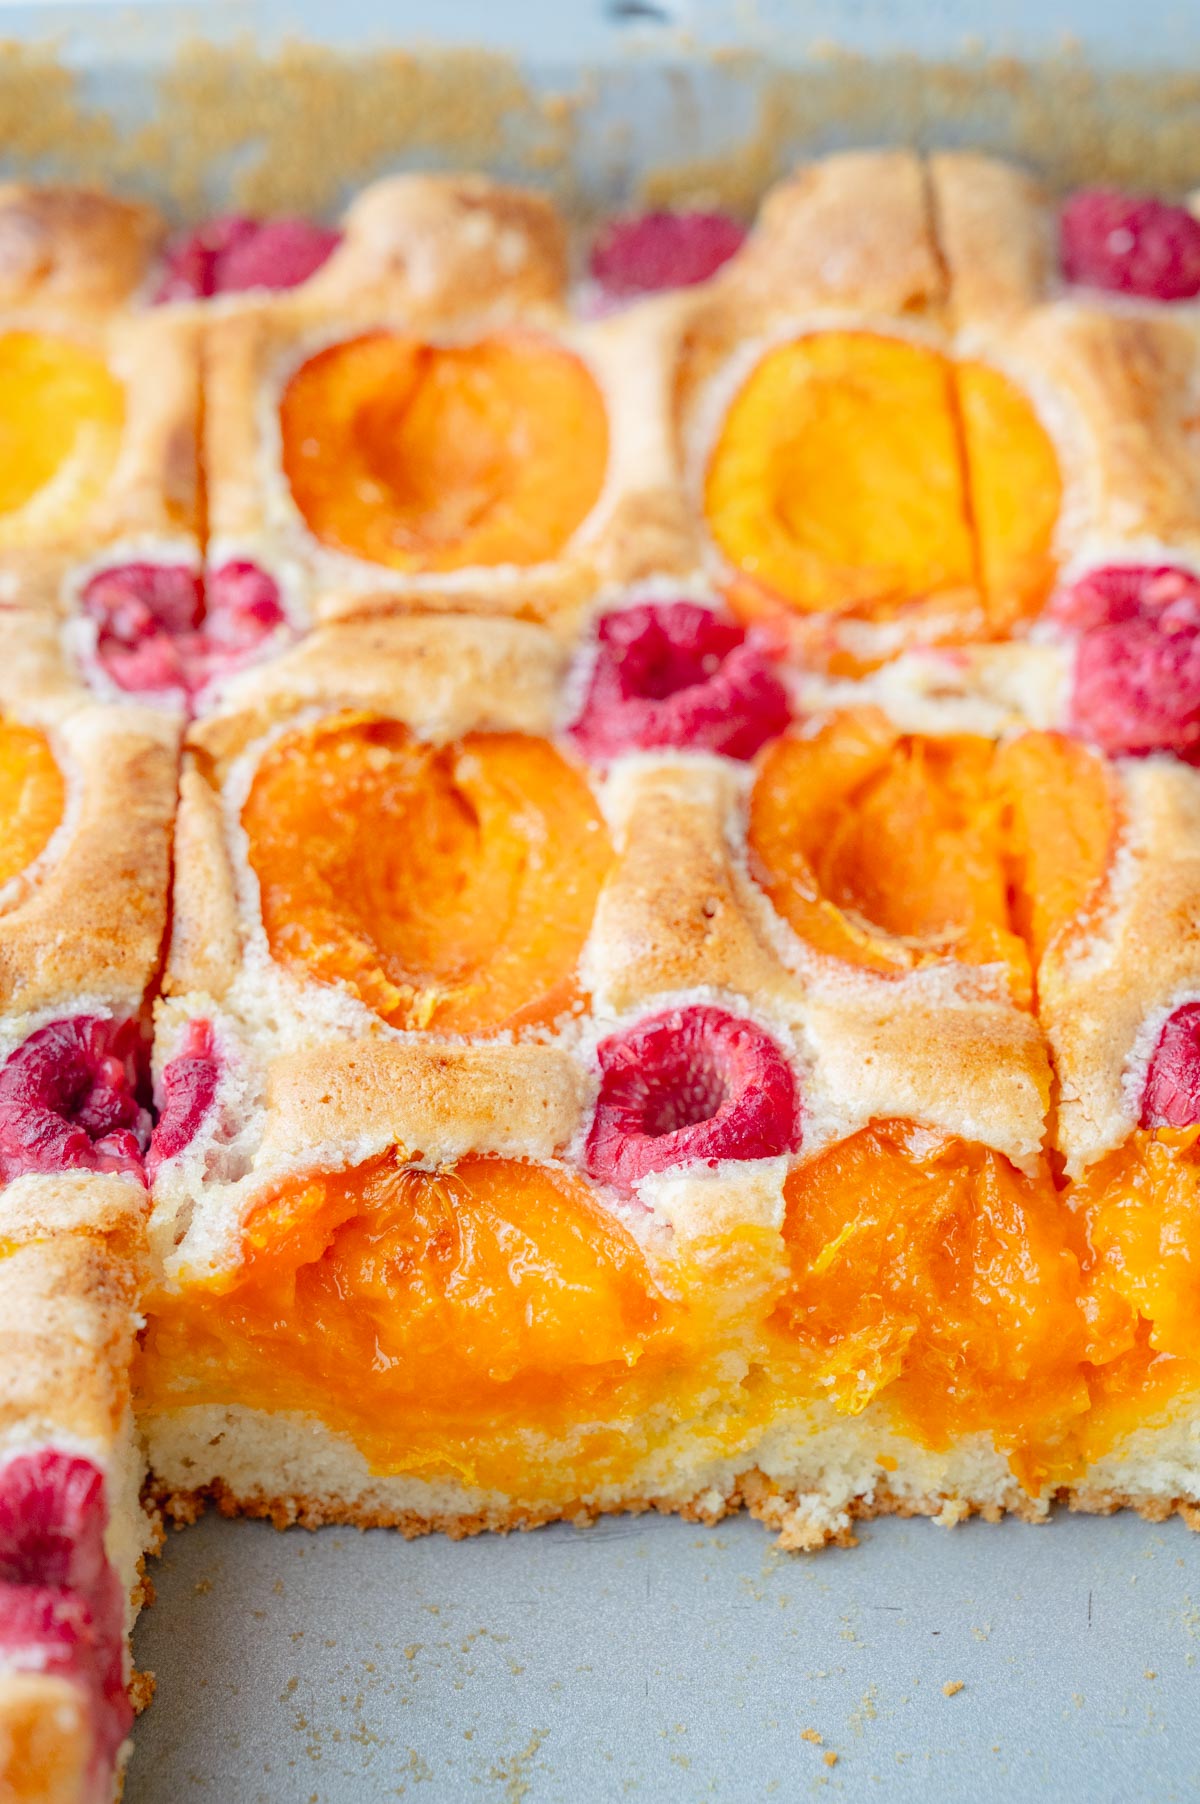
[(157, 635), (651, 251), (69, 1099), (1119, 592), (691, 1084), (1129, 244), (146, 614), (232, 254), (243, 607), (52, 1521), (1136, 683), (674, 674), (48, 1629), (186, 1091), (1171, 1097), (61, 1607)]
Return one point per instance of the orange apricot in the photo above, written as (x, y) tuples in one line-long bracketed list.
[(866, 476), (933, 1268), (1061, 829), (32, 796), (410, 1308), (449, 887), (1014, 494), (836, 483), (431, 458), (883, 848), (61, 414)]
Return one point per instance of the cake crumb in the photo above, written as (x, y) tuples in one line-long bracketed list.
[(811, 1735), (830, 1758), (952, 1687), (1149, 1673)]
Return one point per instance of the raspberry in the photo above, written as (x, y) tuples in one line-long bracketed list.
[(673, 674), (651, 251), (1171, 1097), (1119, 592), (232, 254), (186, 1091), (157, 635), (69, 1099), (243, 607), (52, 1630), (691, 1084), (1136, 683), (61, 1608), (1130, 244), (52, 1521), (145, 614)]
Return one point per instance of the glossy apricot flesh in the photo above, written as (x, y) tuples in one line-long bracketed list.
[(448, 887), (61, 414), (892, 850), (419, 1312), (1014, 490), (430, 458), (861, 475), (935, 1271), (32, 796)]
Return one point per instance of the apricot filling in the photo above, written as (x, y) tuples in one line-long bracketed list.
[(891, 850), (32, 796), (420, 1312), (861, 475), (61, 414), (433, 458), (447, 886), (933, 1269)]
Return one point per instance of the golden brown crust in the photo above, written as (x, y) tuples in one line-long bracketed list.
[(788, 1513), (105, 1206), (994, 237), (87, 920), (205, 944), (850, 231), (890, 1051), (442, 676), (1122, 388), (67, 1321), (429, 247), (72, 249), (439, 1102), (671, 915), (155, 487), (1098, 990)]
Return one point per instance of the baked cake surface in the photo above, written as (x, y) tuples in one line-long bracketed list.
[(678, 793)]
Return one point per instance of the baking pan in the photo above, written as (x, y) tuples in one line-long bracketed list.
[(645, 1657)]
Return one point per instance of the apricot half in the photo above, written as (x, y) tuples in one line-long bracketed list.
[(418, 1311), (861, 475), (431, 458), (447, 886), (933, 1268), (892, 850), (61, 414), (32, 796)]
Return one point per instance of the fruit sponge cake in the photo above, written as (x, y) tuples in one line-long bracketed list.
[(681, 977), (87, 795), (574, 1101)]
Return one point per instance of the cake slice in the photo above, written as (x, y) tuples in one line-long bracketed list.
[(73, 1534), (87, 793)]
